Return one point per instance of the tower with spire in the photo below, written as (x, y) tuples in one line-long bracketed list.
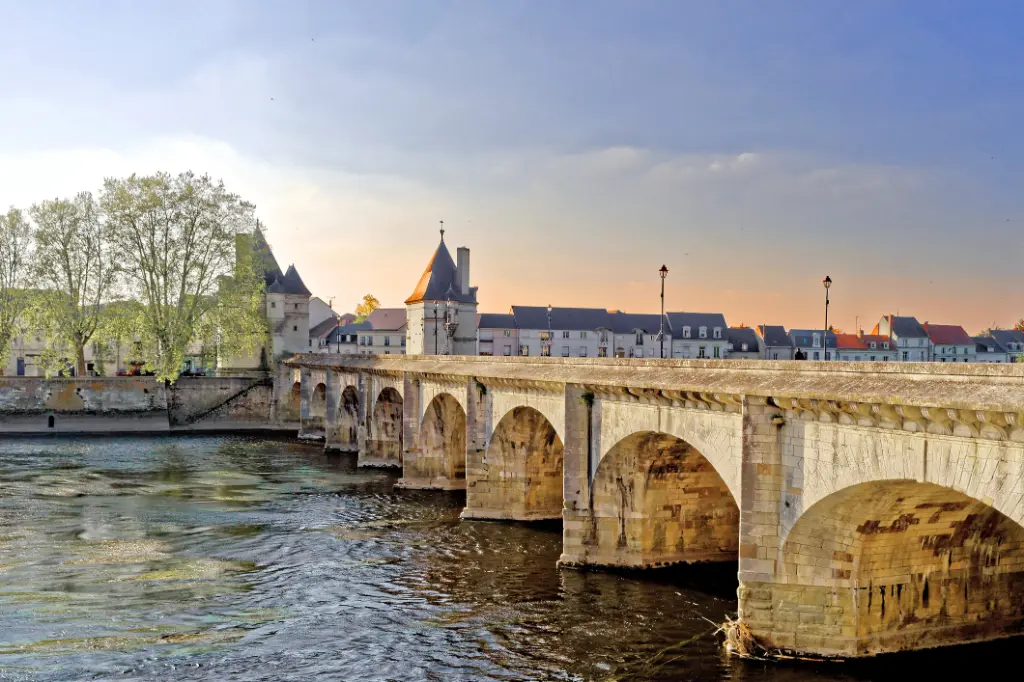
[(286, 305), (441, 312)]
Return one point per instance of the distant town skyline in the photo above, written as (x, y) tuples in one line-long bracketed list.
[(575, 147)]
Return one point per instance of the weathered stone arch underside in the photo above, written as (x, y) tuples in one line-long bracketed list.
[(895, 565), (345, 432), (656, 501), (519, 476), (385, 439), (290, 409), (440, 457)]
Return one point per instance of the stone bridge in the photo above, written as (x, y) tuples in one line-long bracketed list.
[(871, 507)]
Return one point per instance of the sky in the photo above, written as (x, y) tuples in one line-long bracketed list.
[(574, 145)]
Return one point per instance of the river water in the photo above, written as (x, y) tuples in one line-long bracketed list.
[(245, 558)]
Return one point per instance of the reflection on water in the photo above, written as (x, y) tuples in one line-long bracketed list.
[(237, 558)]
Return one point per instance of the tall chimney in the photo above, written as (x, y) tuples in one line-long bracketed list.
[(462, 270)]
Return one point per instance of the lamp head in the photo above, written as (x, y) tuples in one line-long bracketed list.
[(663, 272), (827, 281)]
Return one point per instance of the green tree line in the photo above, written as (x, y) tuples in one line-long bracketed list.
[(149, 261)]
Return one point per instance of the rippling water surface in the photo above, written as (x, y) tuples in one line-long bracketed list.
[(240, 558)]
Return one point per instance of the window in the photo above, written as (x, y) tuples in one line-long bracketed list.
[(686, 332), (583, 351), (387, 340), (872, 358), (602, 352), (701, 352), (403, 341), (295, 327), (885, 345), (743, 347), (565, 351), (311, 343), (920, 342), (565, 335), (872, 344), (717, 352), (775, 356), (639, 338), (545, 336), (817, 355), (604, 337), (583, 335), (816, 343), (508, 351), (718, 332), (702, 332), (296, 306), (545, 350), (906, 356), (508, 332), (273, 304)]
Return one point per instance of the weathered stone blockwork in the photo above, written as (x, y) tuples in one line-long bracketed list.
[(95, 405), (872, 508)]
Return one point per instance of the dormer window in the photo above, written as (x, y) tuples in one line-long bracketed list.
[(817, 341), (885, 345), (743, 347), (686, 332), (872, 344), (718, 332), (703, 332)]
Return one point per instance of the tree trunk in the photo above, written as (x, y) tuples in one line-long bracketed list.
[(80, 360)]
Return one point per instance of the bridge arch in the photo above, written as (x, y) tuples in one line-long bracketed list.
[(290, 409), (346, 423), (385, 441), (519, 475), (657, 500), (900, 564), (440, 460), (318, 403)]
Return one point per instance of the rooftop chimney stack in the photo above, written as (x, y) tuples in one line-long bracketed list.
[(462, 270)]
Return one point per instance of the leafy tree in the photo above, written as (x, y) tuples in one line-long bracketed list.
[(367, 306), (75, 273), (15, 256), (176, 237), (1020, 325)]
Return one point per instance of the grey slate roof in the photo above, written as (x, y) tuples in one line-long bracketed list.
[(323, 328), (906, 327), (387, 319), (495, 321), (775, 335), (676, 321), (804, 338), (738, 336), (347, 329), (438, 281), (1005, 336), (984, 343), (627, 323), (567, 319)]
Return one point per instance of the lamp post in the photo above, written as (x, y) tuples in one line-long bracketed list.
[(550, 340), (661, 329), (828, 284)]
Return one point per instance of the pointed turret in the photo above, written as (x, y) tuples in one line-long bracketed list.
[(440, 281)]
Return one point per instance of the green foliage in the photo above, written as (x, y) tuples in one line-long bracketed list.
[(75, 275), (176, 239), (587, 399), (15, 256)]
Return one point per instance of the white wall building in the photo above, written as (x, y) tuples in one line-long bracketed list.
[(698, 335), (950, 343), (908, 336)]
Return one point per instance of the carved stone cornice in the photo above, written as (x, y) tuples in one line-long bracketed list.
[(524, 385)]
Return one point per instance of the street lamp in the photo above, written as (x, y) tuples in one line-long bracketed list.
[(661, 329), (828, 284), (550, 340)]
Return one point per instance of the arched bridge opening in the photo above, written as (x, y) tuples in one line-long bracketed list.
[(439, 460), (656, 501), (385, 439), (896, 565), (519, 475)]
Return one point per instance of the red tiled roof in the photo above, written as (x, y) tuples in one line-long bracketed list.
[(948, 334), (849, 342)]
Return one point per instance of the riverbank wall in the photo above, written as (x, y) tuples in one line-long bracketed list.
[(32, 406)]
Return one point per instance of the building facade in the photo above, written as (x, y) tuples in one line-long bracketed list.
[(441, 312)]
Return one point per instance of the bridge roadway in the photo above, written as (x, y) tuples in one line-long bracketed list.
[(871, 507)]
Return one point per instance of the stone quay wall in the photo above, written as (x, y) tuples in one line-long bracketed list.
[(31, 405)]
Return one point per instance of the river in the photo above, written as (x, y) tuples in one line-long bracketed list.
[(247, 558)]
